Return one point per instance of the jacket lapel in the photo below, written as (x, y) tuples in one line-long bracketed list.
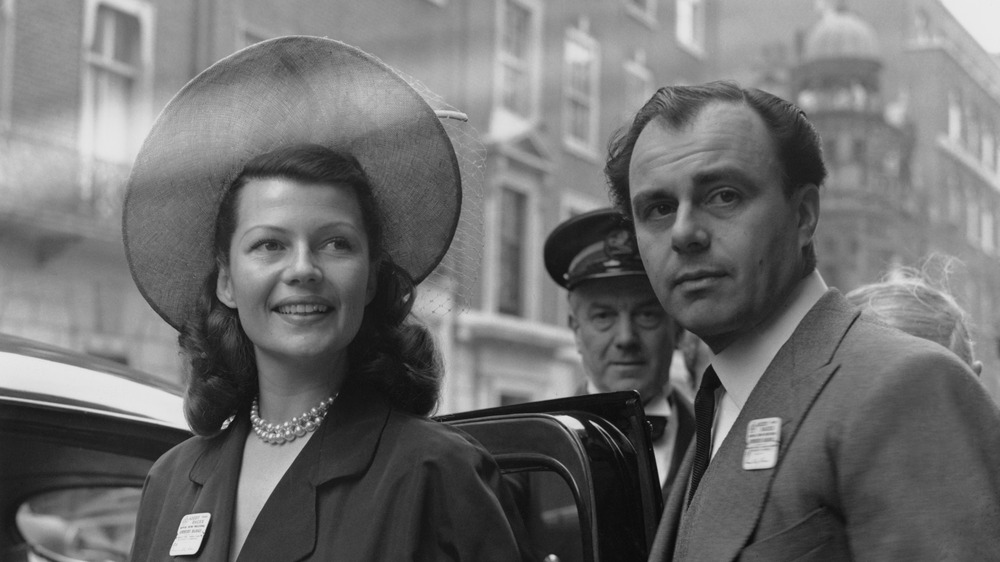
[(344, 447), (666, 532), (217, 472), (685, 433), (726, 508)]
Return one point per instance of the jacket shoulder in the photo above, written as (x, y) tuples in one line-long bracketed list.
[(183, 455)]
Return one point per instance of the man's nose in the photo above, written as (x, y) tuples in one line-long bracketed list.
[(689, 234), (625, 332)]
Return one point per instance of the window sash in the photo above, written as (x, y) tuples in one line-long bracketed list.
[(513, 220)]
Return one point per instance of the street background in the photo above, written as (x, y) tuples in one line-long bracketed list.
[(906, 98)]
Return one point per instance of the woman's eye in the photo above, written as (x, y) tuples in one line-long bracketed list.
[(267, 245), (339, 243)]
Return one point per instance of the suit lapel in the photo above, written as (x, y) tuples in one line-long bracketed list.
[(217, 472), (666, 532), (685, 433), (730, 498), (344, 447)]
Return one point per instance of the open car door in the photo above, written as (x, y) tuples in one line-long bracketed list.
[(581, 471)]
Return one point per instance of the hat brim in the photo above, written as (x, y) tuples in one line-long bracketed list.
[(279, 92)]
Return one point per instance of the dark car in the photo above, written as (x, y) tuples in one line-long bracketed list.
[(78, 435)]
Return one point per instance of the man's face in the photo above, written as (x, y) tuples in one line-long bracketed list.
[(720, 241), (625, 338)]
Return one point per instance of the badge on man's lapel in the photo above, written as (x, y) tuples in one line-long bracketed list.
[(763, 438), (190, 533)]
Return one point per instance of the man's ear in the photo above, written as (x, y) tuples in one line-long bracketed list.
[(224, 287), (807, 207)]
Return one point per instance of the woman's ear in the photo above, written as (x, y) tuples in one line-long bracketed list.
[(372, 286), (224, 287)]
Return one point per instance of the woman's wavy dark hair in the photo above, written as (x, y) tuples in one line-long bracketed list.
[(395, 357)]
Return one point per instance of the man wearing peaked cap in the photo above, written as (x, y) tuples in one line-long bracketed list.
[(624, 337)]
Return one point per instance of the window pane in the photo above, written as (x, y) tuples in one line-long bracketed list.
[(116, 36), (516, 90), (89, 524), (112, 105), (113, 74), (579, 120), (512, 221), (516, 30), (548, 509)]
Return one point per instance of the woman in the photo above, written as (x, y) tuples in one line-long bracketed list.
[(308, 389)]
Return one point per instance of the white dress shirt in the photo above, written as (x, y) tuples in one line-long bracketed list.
[(741, 365), (663, 448)]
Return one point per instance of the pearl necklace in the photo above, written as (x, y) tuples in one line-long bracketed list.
[(279, 434)]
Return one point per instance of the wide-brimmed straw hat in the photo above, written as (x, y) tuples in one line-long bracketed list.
[(279, 92)]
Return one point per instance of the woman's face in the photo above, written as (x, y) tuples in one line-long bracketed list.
[(299, 272)]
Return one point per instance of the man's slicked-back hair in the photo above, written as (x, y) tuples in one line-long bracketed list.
[(796, 143)]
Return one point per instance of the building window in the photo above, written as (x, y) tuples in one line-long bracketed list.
[(517, 56), (581, 87), (972, 138), (691, 24), (114, 66), (513, 234), (638, 82), (954, 117), (116, 100), (972, 233), (988, 153), (989, 235), (995, 222), (922, 31)]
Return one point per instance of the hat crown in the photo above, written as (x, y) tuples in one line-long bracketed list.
[(596, 245)]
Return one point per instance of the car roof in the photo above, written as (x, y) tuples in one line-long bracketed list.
[(47, 376)]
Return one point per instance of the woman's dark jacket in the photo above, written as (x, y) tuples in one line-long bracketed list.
[(373, 484)]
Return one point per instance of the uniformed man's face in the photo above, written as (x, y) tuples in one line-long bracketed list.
[(625, 338)]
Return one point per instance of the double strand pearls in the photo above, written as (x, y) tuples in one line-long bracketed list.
[(279, 434)]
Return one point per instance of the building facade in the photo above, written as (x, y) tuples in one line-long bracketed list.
[(908, 106), (545, 83)]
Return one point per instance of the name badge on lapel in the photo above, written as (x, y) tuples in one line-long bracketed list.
[(190, 534), (763, 438)]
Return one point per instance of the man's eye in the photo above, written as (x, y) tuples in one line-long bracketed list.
[(649, 319), (602, 320), (725, 196), (661, 210)]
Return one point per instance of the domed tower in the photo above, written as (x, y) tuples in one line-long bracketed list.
[(840, 64), (869, 213)]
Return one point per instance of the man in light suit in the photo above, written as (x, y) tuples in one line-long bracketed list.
[(624, 337), (822, 434)]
